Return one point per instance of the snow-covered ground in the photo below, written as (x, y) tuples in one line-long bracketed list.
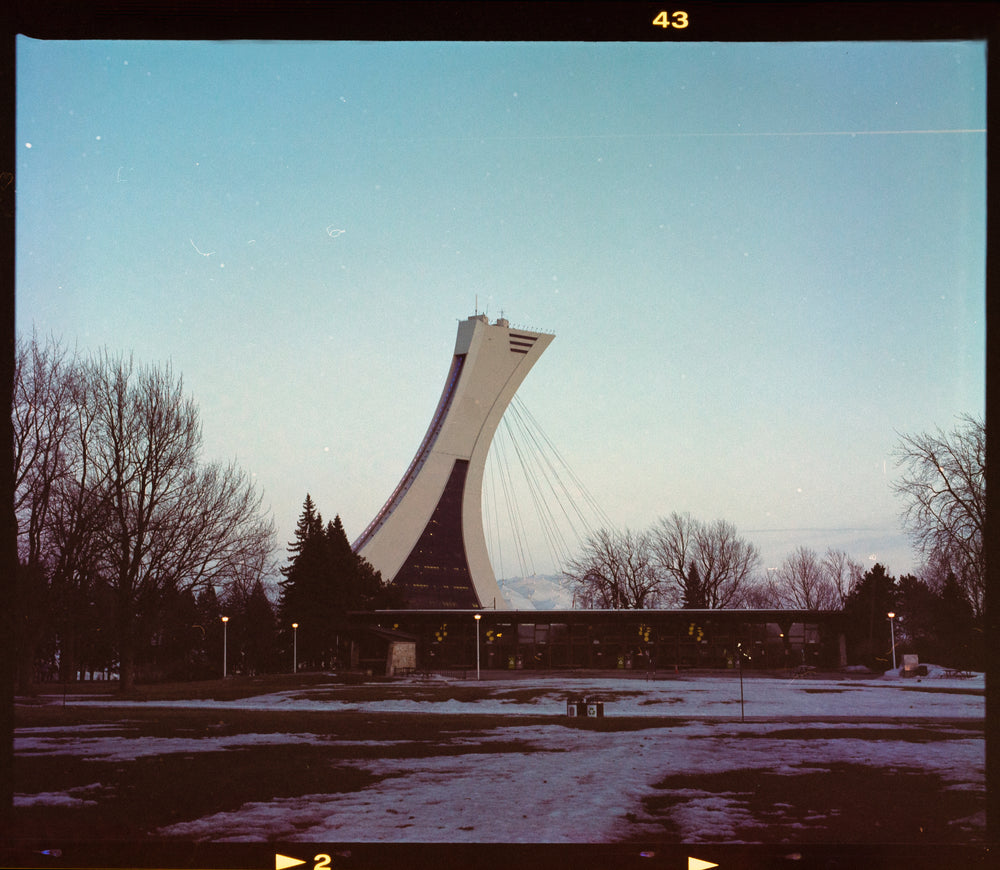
[(570, 784), (935, 696)]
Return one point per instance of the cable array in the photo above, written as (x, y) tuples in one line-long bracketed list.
[(535, 482)]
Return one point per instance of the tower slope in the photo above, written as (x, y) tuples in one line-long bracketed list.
[(428, 537)]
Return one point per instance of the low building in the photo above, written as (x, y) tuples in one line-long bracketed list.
[(618, 639)]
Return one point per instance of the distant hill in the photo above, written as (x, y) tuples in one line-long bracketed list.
[(538, 592)]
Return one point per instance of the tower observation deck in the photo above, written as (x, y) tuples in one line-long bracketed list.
[(428, 538)]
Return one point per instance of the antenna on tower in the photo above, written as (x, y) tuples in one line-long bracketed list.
[(477, 305)]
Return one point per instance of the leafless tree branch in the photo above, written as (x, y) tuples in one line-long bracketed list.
[(944, 493)]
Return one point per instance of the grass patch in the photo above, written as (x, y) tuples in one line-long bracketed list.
[(928, 687), (140, 796), (942, 690), (844, 803), (858, 732), (229, 689), (155, 721)]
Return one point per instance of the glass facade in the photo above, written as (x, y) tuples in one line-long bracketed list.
[(622, 640), (436, 573)]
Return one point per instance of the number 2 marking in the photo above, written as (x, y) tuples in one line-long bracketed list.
[(322, 862)]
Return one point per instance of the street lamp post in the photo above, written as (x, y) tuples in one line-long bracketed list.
[(225, 623), (477, 618), (739, 658), (295, 647), (892, 638)]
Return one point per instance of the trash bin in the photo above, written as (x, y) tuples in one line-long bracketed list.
[(595, 709), (576, 707)]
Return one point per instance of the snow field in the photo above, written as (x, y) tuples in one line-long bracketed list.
[(569, 785), (561, 782)]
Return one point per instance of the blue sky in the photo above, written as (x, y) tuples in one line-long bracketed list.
[(761, 261)]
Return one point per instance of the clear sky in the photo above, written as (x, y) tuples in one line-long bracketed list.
[(761, 261)]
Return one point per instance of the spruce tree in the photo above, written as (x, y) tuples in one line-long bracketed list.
[(866, 615), (304, 591), (694, 590), (324, 580), (258, 637), (961, 638)]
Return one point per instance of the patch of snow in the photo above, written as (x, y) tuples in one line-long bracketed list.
[(937, 672), (124, 748), (706, 817), (70, 798)]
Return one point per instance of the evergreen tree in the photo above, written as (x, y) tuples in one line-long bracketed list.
[(257, 633), (937, 625), (178, 639), (961, 637), (866, 611), (358, 585), (324, 579), (694, 590), (917, 622), (210, 638), (308, 527), (305, 594)]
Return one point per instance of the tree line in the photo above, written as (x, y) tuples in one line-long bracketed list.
[(132, 547), (684, 562), (124, 531)]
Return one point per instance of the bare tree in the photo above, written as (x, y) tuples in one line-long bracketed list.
[(763, 594), (41, 411), (78, 517), (42, 417), (944, 489), (801, 582), (843, 573), (706, 564), (615, 571), (674, 547), (172, 524)]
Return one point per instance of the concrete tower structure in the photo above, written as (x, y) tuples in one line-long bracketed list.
[(428, 538)]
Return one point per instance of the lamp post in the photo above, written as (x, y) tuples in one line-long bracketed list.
[(892, 638), (477, 618), (739, 658), (295, 647), (225, 622)]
